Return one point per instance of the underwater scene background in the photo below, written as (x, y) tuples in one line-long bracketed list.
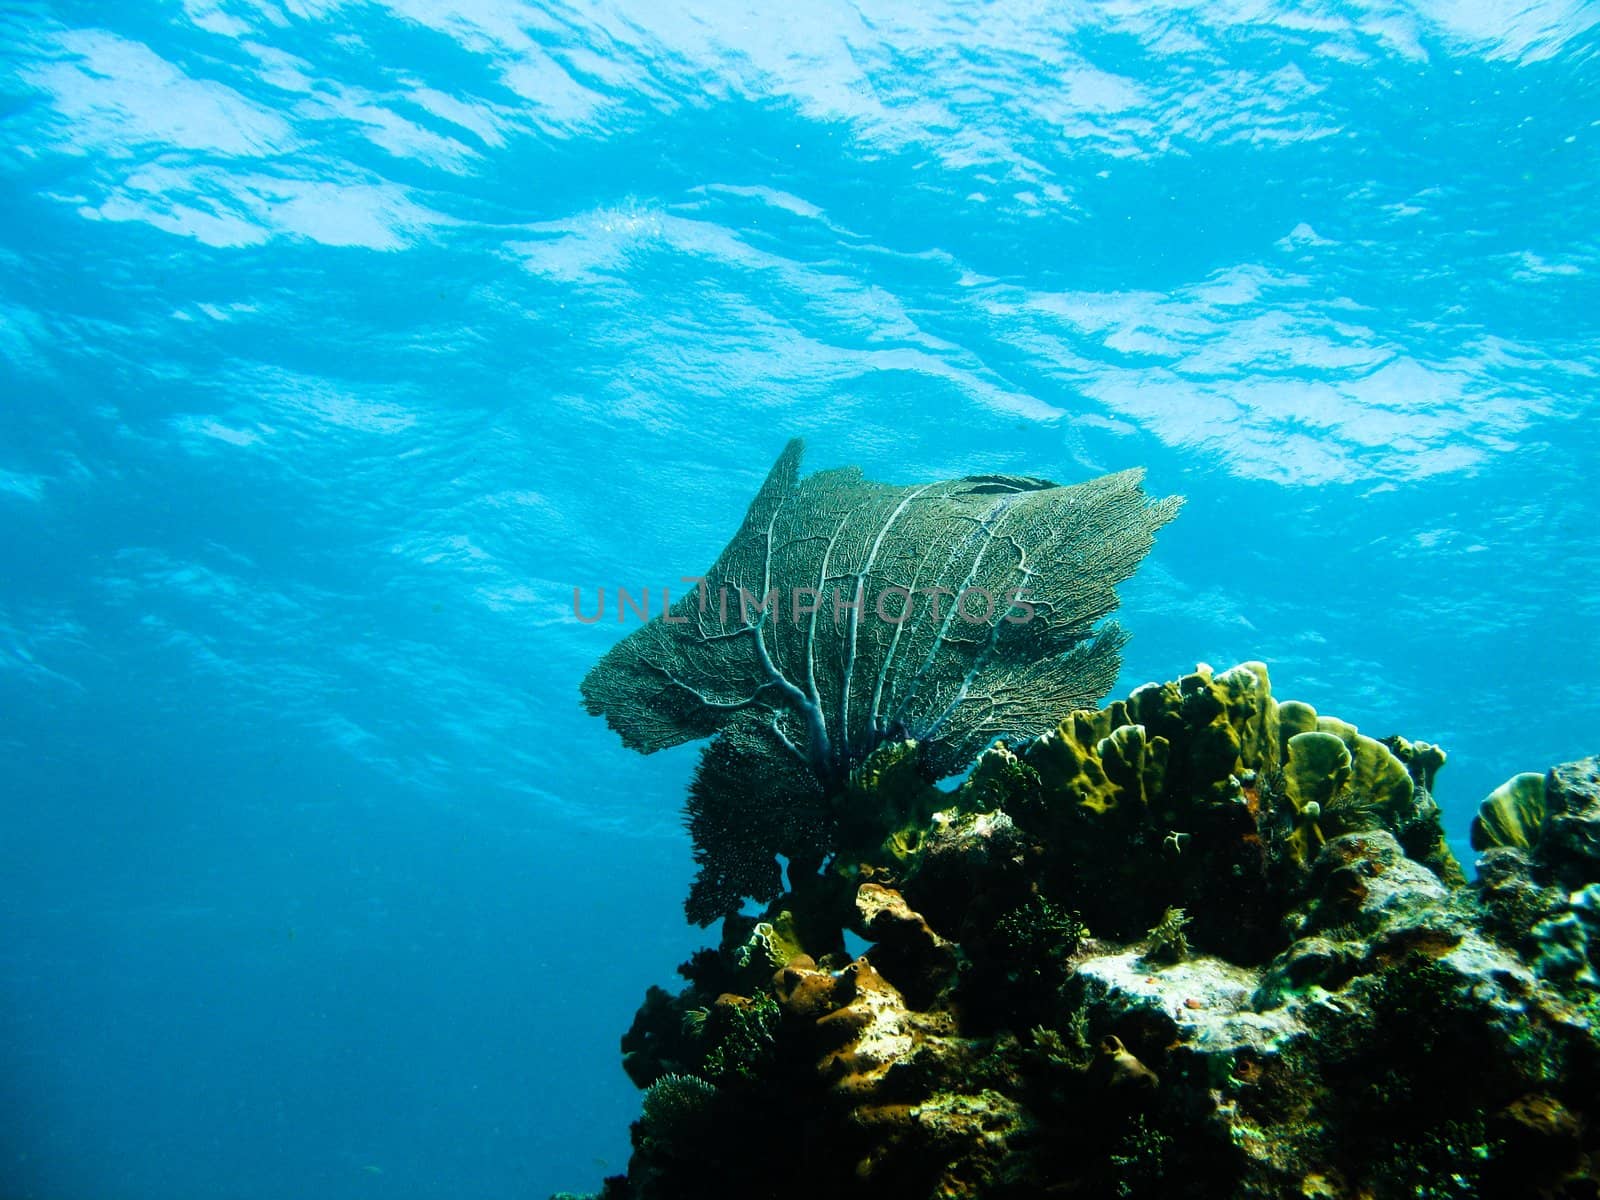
[(340, 342)]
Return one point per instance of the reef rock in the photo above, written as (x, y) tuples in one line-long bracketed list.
[(1196, 943), (1569, 843)]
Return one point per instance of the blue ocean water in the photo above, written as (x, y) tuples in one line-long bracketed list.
[(340, 341)]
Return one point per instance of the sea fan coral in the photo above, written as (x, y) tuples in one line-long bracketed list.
[(845, 613)]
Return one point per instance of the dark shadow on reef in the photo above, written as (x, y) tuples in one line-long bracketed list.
[(1197, 943)]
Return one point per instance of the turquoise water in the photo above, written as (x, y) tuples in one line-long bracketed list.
[(339, 342)]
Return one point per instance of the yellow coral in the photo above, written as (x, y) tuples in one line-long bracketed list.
[(1336, 773), (1087, 761), (1317, 769), (1122, 754), (1377, 777), (1294, 717), (1170, 746), (1512, 813), (1250, 716), (1422, 759)]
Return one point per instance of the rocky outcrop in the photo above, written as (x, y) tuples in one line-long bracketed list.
[(1197, 943)]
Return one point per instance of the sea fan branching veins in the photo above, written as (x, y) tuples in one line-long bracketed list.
[(846, 612)]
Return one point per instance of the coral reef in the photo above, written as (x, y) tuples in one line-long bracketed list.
[(1195, 943), (948, 613)]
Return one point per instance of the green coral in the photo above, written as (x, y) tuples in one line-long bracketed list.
[(1099, 766), (1340, 781), (1151, 798), (1294, 717), (1038, 932), (759, 951), (1421, 830), (1233, 725), (1512, 814), (1422, 759), (996, 779), (746, 1036), (1317, 770), (1188, 738), (1376, 774), (1172, 745)]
